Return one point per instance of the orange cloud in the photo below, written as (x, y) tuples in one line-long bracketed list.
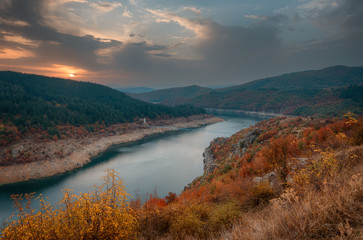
[(9, 53), (20, 40), (12, 22)]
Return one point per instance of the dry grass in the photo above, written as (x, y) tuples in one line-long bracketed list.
[(333, 212)]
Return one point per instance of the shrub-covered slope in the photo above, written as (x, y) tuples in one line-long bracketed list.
[(280, 173)]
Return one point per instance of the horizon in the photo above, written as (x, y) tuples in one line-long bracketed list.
[(118, 87), (155, 44)]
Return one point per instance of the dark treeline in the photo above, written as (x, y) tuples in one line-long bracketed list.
[(33, 101)]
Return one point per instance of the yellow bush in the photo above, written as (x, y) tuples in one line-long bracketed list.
[(262, 192), (190, 220), (103, 213)]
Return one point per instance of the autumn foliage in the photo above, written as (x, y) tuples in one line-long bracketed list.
[(104, 213), (292, 172), (299, 154)]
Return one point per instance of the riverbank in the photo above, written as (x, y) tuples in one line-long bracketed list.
[(68, 154), (237, 111)]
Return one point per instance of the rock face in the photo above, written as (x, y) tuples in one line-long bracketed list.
[(209, 161), (250, 138)]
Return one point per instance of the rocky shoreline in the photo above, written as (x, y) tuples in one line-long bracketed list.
[(81, 151)]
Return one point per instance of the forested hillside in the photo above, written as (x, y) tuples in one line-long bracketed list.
[(327, 92), (336, 76), (37, 102), (302, 102), (172, 96)]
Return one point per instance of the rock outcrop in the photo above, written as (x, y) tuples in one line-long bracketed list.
[(249, 138), (209, 160)]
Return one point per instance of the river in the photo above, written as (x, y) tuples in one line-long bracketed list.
[(165, 163)]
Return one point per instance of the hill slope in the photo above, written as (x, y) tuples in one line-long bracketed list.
[(330, 91), (336, 76), (172, 96), (135, 89), (324, 102), (33, 101)]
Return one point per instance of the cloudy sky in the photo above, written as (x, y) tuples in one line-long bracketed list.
[(165, 43)]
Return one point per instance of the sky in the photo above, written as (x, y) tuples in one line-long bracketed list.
[(167, 43)]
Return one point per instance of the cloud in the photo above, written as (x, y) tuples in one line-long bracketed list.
[(193, 9), (252, 16), (18, 39), (15, 53), (197, 26), (55, 36), (106, 6), (127, 14), (46, 44), (341, 20), (237, 52), (318, 5), (347, 15), (13, 22)]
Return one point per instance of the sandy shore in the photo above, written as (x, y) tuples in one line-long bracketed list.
[(81, 151)]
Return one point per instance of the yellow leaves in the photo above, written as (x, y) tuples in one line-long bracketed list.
[(341, 135), (321, 167), (104, 213), (351, 118), (262, 192)]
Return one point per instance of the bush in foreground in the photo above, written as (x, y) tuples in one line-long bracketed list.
[(104, 213)]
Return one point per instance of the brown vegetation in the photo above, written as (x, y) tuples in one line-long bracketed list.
[(334, 211)]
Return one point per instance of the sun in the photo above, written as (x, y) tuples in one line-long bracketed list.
[(71, 74)]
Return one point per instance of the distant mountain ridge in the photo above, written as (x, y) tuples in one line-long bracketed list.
[(135, 89), (328, 91), (172, 96), (336, 76)]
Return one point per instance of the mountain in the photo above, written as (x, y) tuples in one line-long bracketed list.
[(336, 76), (172, 96), (329, 91), (33, 101), (135, 89), (324, 102)]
